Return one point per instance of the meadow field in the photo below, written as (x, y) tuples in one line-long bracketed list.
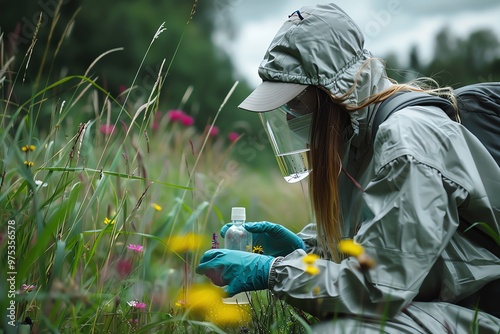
[(108, 198), (108, 202)]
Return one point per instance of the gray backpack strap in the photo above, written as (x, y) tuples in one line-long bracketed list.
[(407, 99)]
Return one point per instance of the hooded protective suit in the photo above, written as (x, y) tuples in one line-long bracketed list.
[(422, 171)]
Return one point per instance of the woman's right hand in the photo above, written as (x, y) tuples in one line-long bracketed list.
[(274, 239)]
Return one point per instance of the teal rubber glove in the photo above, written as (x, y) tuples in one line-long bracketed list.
[(274, 239), (239, 271)]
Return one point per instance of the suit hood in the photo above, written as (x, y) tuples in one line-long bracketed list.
[(322, 46)]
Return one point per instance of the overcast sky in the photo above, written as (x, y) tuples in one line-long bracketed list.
[(390, 26)]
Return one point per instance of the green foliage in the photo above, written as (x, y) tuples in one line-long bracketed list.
[(72, 34)]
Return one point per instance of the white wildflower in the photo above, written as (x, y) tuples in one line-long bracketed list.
[(40, 184)]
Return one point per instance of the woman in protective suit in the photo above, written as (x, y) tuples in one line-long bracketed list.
[(400, 195)]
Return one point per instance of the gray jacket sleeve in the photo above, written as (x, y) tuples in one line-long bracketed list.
[(415, 215), (309, 235)]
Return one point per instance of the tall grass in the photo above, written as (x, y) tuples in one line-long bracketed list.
[(112, 214), (107, 205)]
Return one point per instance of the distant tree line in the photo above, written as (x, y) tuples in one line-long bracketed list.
[(455, 62), (73, 33)]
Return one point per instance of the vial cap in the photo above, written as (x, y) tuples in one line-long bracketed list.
[(238, 213)]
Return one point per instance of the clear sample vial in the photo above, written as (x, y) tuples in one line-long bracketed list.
[(237, 238)]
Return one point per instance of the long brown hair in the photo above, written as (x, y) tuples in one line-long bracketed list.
[(328, 123)]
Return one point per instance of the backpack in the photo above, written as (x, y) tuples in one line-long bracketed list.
[(479, 111), (478, 105)]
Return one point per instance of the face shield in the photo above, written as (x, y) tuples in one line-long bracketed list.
[(288, 128)]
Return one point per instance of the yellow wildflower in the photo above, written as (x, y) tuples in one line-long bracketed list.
[(316, 290), (109, 221), (310, 258), (312, 270), (229, 315), (185, 243), (28, 163), (204, 301), (27, 148), (351, 248), (156, 207), (258, 249), (203, 297)]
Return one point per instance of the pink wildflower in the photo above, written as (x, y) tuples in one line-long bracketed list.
[(213, 131), (187, 120), (180, 116), (136, 248), (27, 288), (140, 305), (137, 305), (122, 88), (107, 129), (175, 115), (233, 136)]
